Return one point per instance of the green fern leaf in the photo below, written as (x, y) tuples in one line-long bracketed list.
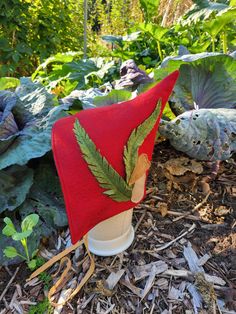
[(106, 175), (136, 139)]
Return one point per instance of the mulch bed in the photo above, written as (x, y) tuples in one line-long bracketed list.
[(183, 258)]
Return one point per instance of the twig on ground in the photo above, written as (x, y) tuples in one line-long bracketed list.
[(140, 220), (199, 205), (166, 245), (9, 283)]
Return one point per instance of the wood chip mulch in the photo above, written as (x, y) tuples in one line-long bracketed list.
[(183, 258)]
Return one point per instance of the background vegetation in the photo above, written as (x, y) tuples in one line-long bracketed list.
[(31, 31)]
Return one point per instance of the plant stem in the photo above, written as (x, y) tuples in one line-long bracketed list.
[(224, 42), (85, 27), (213, 43), (24, 243), (22, 256), (159, 50)]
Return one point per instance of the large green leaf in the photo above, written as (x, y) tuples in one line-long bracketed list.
[(206, 80), (136, 139), (77, 70), (205, 134), (9, 229), (154, 30), (202, 10), (35, 113), (46, 198), (58, 59), (15, 183), (108, 178), (114, 97), (8, 82), (29, 222), (85, 97), (224, 17), (10, 252), (150, 8), (113, 39)]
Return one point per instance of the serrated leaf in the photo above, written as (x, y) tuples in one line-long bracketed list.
[(136, 139), (10, 252), (106, 175)]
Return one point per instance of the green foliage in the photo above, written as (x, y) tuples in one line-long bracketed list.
[(108, 178), (136, 139), (33, 30), (114, 97), (150, 8), (46, 278), (27, 225), (203, 10), (206, 80), (204, 100), (15, 183), (34, 113), (43, 307), (203, 134), (63, 73), (8, 82)]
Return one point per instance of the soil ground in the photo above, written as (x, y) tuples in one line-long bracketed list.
[(182, 210)]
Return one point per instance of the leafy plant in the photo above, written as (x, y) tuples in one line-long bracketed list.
[(206, 80), (114, 97), (26, 119), (150, 8), (27, 226), (204, 134), (45, 28), (8, 82), (204, 100), (65, 72), (41, 308), (157, 32), (15, 183), (202, 10)]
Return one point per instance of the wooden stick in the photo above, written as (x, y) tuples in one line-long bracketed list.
[(166, 245), (9, 283), (140, 220), (194, 209)]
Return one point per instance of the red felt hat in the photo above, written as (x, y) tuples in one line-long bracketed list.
[(103, 133)]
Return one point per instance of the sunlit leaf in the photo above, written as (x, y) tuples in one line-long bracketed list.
[(10, 252)]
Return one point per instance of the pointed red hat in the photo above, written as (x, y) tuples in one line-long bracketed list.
[(94, 140)]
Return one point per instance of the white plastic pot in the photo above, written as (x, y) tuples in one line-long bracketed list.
[(112, 236)]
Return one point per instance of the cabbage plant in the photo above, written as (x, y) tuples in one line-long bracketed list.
[(26, 119), (26, 184), (204, 101)]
